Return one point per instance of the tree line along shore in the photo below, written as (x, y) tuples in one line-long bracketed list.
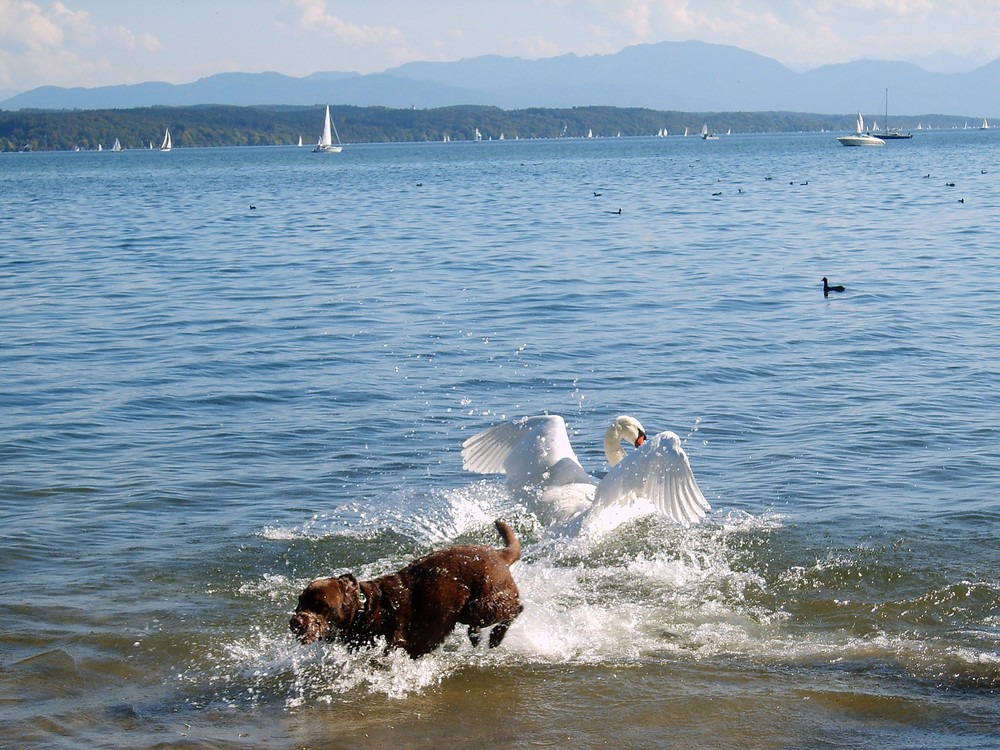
[(210, 125)]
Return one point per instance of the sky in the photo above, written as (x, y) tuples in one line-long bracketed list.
[(106, 42)]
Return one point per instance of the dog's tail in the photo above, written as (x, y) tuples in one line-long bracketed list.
[(512, 552)]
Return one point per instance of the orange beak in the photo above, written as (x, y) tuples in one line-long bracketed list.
[(640, 440)]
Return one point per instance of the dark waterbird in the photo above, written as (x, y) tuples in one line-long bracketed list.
[(827, 288)]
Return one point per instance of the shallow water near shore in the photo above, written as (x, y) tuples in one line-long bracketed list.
[(206, 405)]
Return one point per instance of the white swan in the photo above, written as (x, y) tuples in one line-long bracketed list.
[(542, 469)]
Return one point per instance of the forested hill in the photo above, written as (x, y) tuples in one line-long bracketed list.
[(38, 130)]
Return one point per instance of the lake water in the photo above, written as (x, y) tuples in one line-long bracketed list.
[(206, 405)]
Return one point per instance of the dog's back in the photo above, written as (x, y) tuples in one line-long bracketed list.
[(468, 584), (418, 606), (467, 563)]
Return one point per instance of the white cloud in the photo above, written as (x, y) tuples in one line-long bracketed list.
[(59, 45), (81, 42), (535, 47), (129, 40), (313, 16), (801, 32), (24, 25), (77, 21)]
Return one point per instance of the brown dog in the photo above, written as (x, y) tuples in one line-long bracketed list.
[(416, 608)]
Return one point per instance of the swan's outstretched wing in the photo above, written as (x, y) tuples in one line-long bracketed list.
[(531, 451), (657, 471)]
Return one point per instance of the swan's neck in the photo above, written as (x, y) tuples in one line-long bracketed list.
[(613, 445)]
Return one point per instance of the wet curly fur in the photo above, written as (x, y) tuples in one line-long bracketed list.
[(416, 608)]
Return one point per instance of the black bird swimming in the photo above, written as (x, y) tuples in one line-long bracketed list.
[(827, 288)]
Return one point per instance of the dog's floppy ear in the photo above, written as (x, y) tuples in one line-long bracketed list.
[(356, 586)]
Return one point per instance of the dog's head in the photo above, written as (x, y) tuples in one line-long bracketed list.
[(326, 605)]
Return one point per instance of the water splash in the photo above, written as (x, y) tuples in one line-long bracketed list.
[(731, 587)]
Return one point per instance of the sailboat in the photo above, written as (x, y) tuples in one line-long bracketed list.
[(985, 125), (118, 146), (300, 141), (860, 137), (706, 136), (892, 134), (167, 142), (326, 144), (479, 136)]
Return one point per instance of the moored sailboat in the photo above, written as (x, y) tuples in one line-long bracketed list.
[(892, 134)]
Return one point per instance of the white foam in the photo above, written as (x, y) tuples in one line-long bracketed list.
[(644, 588), (650, 589), (428, 517)]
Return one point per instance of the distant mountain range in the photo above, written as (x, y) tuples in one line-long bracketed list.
[(679, 76)]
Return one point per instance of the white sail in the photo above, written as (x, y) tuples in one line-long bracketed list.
[(300, 140), (326, 143), (117, 146), (861, 138), (167, 142)]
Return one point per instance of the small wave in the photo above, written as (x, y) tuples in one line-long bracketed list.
[(647, 588), (428, 517), (734, 586)]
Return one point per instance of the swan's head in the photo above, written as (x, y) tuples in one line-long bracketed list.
[(623, 429)]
